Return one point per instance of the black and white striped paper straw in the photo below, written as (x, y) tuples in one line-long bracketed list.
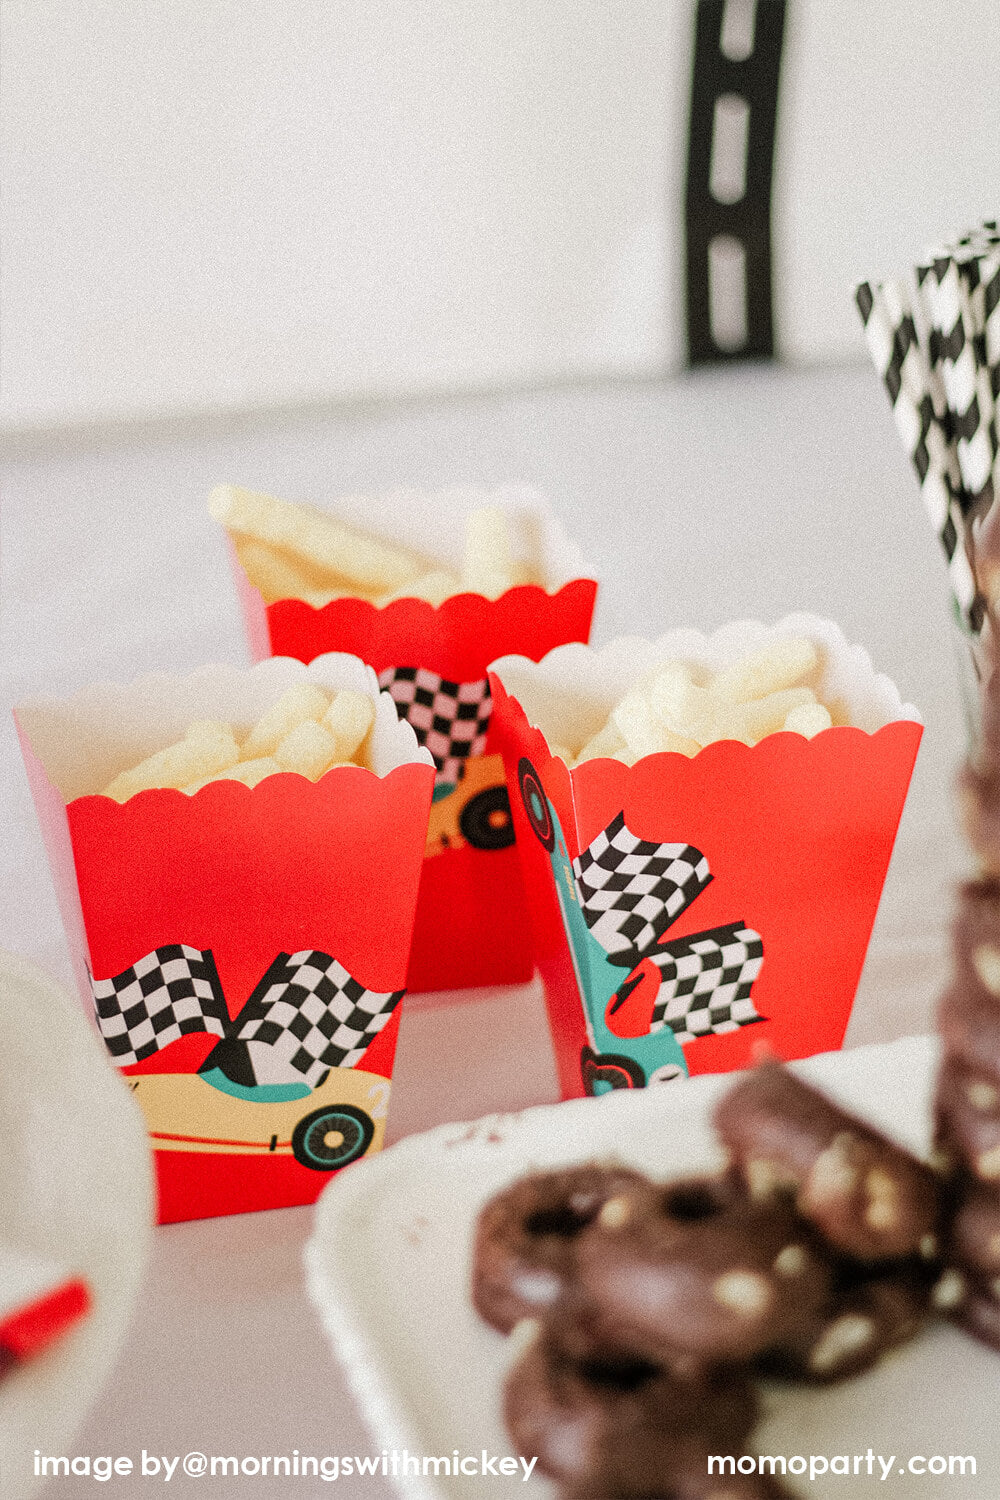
[(986, 316), (935, 341), (887, 311), (948, 285)]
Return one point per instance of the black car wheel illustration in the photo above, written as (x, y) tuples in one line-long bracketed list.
[(536, 804), (485, 820), (603, 1071), (330, 1138)]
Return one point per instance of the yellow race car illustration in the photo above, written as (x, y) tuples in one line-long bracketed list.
[(323, 1128), (475, 810)]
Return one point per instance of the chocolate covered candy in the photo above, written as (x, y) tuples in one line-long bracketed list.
[(698, 1271), (979, 810), (969, 1022), (967, 1119), (979, 1310), (974, 1233), (971, 1301), (975, 942), (865, 1318), (988, 750), (526, 1237), (623, 1428), (699, 1485), (867, 1196)]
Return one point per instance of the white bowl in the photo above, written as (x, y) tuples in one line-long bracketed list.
[(76, 1187)]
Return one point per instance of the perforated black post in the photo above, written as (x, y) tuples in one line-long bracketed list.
[(742, 226)]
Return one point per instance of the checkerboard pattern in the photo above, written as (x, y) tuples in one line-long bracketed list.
[(934, 337), (705, 982), (172, 991), (631, 890), (899, 351), (450, 718), (950, 283), (307, 1016)]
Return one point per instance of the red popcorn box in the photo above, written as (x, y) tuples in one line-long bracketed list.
[(242, 951), (688, 908), (472, 925)]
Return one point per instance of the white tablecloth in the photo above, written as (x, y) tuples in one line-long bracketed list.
[(751, 492)]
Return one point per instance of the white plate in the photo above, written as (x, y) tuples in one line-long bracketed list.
[(388, 1268), (75, 1186)]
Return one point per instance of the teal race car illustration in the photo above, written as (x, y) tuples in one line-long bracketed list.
[(618, 899)]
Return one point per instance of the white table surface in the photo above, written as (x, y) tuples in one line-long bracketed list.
[(750, 492)]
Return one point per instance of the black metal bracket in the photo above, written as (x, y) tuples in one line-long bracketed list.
[(753, 79)]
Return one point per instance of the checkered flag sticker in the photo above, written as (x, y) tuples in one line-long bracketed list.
[(705, 982), (172, 991), (306, 1016), (630, 890), (309, 1015), (450, 718)]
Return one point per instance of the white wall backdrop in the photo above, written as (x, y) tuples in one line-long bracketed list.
[(230, 203)]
